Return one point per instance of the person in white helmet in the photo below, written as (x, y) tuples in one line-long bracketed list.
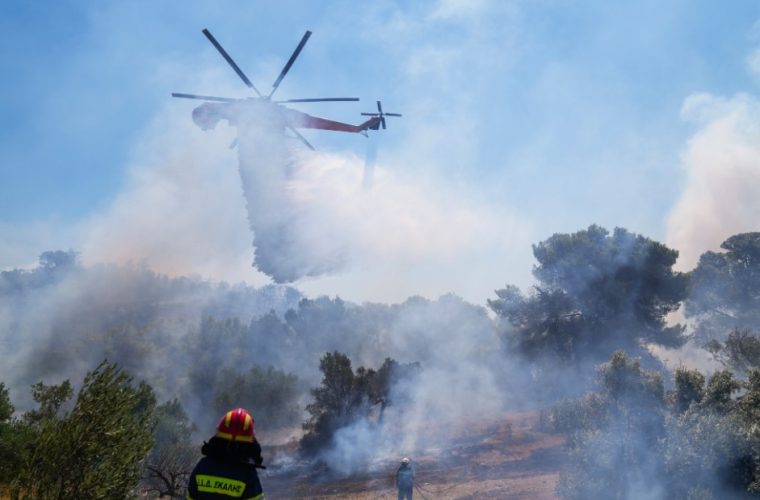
[(405, 479)]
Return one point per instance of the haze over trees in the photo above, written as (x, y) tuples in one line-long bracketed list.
[(345, 397), (596, 293), (174, 454), (600, 298), (739, 352), (633, 439), (274, 393), (724, 295)]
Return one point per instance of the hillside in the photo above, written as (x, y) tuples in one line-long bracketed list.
[(497, 458)]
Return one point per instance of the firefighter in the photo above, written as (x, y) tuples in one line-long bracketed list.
[(231, 457), (405, 479)]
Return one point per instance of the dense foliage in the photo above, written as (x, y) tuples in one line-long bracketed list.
[(740, 351), (214, 346), (345, 396), (96, 449), (596, 292), (174, 454), (15, 437), (724, 294), (272, 393), (631, 439)]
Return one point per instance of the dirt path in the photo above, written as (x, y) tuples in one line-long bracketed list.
[(506, 459)]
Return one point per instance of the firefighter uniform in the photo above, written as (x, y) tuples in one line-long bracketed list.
[(213, 479), (226, 471), (405, 480)]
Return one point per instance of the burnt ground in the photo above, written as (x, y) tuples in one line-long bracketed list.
[(505, 458)]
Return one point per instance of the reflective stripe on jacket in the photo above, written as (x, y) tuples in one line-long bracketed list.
[(216, 480)]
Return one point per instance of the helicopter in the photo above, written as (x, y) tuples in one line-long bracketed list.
[(216, 108)]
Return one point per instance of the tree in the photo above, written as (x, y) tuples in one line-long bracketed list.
[(724, 291), (596, 293), (18, 435), (718, 394), (336, 402), (8, 456), (739, 352), (705, 448), (629, 441), (217, 344), (382, 383), (173, 456), (15, 436), (748, 413), (50, 399), (271, 395), (58, 260), (614, 453), (6, 407), (689, 389), (345, 397), (97, 449)]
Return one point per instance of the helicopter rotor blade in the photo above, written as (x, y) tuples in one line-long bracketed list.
[(229, 60), (303, 139), (321, 99), (379, 107), (382, 121), (290, 62), (392, 114), (204, 97), (370, 114)]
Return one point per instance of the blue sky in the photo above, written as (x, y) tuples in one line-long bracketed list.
[(556, 114)]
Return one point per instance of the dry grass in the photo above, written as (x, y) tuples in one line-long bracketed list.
[(502, 457)]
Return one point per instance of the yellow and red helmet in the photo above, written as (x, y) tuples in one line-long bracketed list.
[(237, 426)]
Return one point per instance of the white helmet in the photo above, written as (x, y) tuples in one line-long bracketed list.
[(405, 461)]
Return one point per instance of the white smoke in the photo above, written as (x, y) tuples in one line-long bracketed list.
[(189, 208), (460, 382), (309, 215), (447, 398), (721, 195), (182, 209)]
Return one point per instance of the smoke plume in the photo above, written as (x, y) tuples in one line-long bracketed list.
[(310, 216), (721, 196), (193, 206)]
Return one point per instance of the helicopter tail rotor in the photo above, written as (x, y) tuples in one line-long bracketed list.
[(381, 114)]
